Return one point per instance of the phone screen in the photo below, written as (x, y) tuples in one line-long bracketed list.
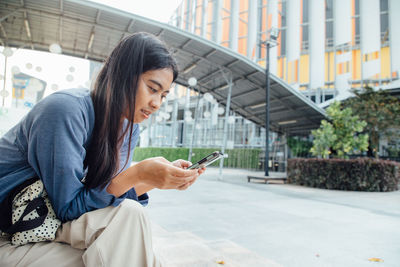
[(216, 155)]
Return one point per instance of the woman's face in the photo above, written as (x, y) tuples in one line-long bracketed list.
[(153, 87)]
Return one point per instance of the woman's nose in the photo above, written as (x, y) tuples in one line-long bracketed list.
[(156, 102)]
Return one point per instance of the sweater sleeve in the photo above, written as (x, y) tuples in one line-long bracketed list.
[(131, 194), (57, 130)]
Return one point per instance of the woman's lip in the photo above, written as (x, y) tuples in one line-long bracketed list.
[(145, 115)]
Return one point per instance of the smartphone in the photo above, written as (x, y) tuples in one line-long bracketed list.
[(216, 155)]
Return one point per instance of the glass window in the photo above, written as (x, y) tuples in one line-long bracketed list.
[(357, 20), (260, 15), (357, 7), (283, 29), (329, 33), (384, 5), (327, 97), (384, 22), (305, 11), (305, 40), (329, 9), (283, 15), (283, 42)]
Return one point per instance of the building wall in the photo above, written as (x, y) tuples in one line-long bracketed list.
[(233, 24)]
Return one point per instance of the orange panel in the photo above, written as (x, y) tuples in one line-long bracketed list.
[(329, 66), (304, 69), (243, 15), (226, 44), (280, 68), (264, 27), (353, 63), (357, 64), (226, 21), (199, 14), (301, 21), (340, 68), (385, 62), (209, 20), (244, 5), (225, 29), (279, 26), (242, 46), (353, 23), (326, 66), (227, 4)]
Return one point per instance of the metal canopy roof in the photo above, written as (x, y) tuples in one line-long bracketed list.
[(91, 30)]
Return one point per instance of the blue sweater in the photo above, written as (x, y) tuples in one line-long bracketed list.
[(50, 142)]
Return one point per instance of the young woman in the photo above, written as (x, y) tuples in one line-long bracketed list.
[(80, 145)]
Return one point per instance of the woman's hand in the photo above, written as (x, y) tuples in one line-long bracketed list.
[(154, 173), (180, 163), (160, 173)]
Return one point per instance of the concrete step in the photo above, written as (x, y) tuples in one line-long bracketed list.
[(184, 249), (157, 230), (240, 255)]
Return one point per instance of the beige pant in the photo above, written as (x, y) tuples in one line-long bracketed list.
[(113, 236)]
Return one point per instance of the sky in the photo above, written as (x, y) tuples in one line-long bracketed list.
[(160, 10)]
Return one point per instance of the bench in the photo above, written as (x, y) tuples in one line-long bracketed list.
[(266, 179)]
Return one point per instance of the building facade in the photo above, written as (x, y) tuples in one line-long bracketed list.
[(324, 48)]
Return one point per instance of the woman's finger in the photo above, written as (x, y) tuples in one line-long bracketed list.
[(177, 182), (179, 172), (181, 163), (185, 163), (202, 170), (187, 185)]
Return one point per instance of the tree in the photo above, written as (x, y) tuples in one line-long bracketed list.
[(380, 111), (341, 136), (299, 147)]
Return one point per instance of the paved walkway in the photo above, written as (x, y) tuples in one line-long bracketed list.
[(287, 224)]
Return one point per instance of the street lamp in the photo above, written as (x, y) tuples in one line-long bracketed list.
[(7, 52), (192, 83), (270, 42)]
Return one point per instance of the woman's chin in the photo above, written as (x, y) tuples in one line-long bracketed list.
[(138, 120)]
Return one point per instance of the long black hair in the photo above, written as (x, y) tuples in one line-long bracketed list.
[(113, 95)]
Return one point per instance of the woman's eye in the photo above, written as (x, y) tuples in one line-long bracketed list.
[(153, 90)]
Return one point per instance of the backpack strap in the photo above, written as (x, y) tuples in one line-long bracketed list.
[(6, 204), (37, 204)]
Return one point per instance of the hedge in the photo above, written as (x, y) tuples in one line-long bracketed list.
[(237, 158), (361, 174)]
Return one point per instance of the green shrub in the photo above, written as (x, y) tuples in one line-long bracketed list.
[(237, 158), (170, 154), (341, 136), (361, 174), (299, 148)]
